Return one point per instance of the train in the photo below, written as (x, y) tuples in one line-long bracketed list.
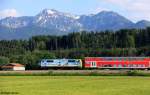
[(98, 63)]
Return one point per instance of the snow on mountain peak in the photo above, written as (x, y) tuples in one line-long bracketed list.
[(77, 17), (72, 16), (50, 12)]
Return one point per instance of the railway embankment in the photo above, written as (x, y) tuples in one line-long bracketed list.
[(76, 73)]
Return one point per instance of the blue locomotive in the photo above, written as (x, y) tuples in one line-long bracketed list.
[(61, 63)]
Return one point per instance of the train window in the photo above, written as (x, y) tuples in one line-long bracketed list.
[(71, 61), (130, 65), (77, 60), (88, 62), (139, 66), (105, 65), (115, 65), (120, 65), (143, 65), (109, 65), (50, 61), (109, 58)]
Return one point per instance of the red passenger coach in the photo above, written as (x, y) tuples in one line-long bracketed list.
[(117, 62)]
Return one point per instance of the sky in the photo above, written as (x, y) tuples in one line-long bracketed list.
[(134, 10)]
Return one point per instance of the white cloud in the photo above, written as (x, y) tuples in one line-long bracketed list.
[(136, 9), (9, 13)]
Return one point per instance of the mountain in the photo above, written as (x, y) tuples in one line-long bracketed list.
[(142, 24), (53, 19), (105, 20), (53, 22), (16, 22)]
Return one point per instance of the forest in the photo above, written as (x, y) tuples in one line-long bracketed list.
[(125, 42)]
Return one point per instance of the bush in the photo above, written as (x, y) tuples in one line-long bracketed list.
[(4, 60)]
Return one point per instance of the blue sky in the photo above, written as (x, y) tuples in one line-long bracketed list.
[(132, 9)]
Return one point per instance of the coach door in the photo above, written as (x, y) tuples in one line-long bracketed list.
[(93, 64)]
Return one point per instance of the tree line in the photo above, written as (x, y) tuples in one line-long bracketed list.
[(125, 42)]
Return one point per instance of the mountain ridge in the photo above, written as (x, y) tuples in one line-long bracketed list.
[(53, 22)]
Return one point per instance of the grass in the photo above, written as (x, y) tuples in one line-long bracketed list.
[(74, 85)]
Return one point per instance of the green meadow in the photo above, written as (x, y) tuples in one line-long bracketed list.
[(74, 85)]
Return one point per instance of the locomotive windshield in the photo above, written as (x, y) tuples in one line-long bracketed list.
[(50, 61), (71, 60)]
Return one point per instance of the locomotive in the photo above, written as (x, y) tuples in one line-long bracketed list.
[(99, 63), (58, 63)]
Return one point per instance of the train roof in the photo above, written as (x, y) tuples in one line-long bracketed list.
[(117, 57)]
